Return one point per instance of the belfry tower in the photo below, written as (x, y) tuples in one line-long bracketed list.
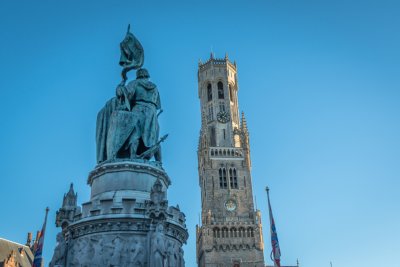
[(230, 233)]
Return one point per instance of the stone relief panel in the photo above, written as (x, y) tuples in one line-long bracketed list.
[(110, 250), (120, 250)]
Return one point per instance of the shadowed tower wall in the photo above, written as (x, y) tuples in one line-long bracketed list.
[(230, 233)]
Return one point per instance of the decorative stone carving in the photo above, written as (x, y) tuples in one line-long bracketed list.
[(58, 259), (135, 253), (158, 255), (65, 215)]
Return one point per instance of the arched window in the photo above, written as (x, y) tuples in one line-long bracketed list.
[(222, 178), (221, 106), (216, 232), (233, 232), (233, 178), (212, 136), (225, 232), (242, 232), (221, 183), (250, 232), (220, 90), (209, 92), (235, 183)]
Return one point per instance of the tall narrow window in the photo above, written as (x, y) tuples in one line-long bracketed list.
[(221, 183), (221, 106), (209, 92), (220, 90), (224, 176), (212, 136), (231, 178), (235, 183)]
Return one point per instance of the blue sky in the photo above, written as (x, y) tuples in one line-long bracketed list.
[(319, 83)]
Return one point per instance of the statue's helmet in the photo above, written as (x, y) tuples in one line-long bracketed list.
[(142, 73)]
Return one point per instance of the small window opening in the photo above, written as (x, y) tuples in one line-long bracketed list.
[(220, 90), (209, 92)]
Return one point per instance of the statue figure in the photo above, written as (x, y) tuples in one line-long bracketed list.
[(98, 252), (118, 244), (172, 255), (158, 248), (58, 259), (106, 251), (127, 126), (78, 248), (89, 255), (134, 130), (135, 254)]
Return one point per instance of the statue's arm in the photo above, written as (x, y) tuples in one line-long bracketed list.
[(123, 95)]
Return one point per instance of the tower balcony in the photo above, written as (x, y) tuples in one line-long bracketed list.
[(225, 152)]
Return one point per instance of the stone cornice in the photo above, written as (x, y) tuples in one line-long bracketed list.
[(127, 166)]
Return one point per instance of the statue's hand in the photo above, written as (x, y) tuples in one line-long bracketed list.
[(119, 91)]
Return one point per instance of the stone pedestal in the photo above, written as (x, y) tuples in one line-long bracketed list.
[(127, 221)]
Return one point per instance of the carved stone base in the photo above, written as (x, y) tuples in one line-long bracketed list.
[(127, 221)]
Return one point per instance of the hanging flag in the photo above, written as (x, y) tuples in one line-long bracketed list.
[(38, 259), (276, 252)]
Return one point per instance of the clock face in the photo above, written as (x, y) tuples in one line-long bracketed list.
[(230, 205), (223, 116)]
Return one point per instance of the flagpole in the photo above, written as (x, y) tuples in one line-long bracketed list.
[(274, 236), (270, 222), (38, 257)]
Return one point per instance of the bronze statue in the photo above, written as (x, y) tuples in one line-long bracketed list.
[(127, 126)]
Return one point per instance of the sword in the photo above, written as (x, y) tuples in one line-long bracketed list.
[(154, 148)]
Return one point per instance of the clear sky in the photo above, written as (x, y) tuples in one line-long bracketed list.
[(319, 84)]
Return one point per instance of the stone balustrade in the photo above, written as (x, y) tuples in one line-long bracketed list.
[(225, 152)]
